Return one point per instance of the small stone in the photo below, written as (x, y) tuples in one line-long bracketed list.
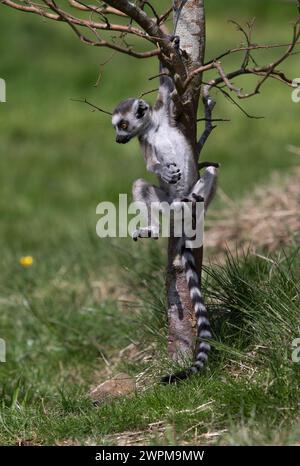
[(120, 385)]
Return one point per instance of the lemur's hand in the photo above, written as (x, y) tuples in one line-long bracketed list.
[(170, 173)]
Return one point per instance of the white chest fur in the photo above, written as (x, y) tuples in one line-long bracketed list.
[(171, 146)]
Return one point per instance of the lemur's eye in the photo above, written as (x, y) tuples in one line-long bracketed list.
[(124, 125)]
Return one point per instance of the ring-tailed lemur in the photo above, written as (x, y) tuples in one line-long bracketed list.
[(168, 154)]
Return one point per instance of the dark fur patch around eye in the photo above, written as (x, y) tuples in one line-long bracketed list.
[(123, 123), (141, 110)]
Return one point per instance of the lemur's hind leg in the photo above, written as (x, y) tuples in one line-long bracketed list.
[(206, 186), (151, 196)]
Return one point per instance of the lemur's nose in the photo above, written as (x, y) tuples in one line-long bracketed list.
[(122, 139)]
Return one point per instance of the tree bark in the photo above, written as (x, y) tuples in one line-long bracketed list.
[(181, 317)]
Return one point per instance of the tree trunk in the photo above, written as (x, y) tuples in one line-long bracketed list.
[(181, 317)]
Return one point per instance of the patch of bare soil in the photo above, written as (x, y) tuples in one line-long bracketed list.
[(268, 219)]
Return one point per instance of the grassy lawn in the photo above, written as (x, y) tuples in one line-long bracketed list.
[(67, 318)]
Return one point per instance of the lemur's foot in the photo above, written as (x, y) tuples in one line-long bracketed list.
[(146, 232), (208, 164), (170, 173), (179, 203), (193, 198), (176, 41)]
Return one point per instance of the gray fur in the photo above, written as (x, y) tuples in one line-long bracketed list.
[(168, 154)]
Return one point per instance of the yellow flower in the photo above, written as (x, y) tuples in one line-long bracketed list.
[(26, 261)]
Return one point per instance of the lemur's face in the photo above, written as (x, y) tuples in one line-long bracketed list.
[(130, 118)]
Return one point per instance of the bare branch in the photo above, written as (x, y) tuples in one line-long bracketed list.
[(224, 78), (31, 8), (85, 101), (142, 19), (213, 119), (267, 71), (209, 105), (60, 15), (250, 48), (270, 70), (97, 10), (148, 92), (234, 102), (248, 37), (163, 18), (144, 3), (159, 75), (106, 10)]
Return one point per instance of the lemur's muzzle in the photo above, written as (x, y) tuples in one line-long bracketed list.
[(122, 139)]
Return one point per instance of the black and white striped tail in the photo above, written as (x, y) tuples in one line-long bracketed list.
[(203, 325)]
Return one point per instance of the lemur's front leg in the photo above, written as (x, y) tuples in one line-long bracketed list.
[(167, 171)]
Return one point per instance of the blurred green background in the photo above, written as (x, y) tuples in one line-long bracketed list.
[(59, 160)]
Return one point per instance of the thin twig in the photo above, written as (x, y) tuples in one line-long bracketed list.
[(85, 101), (148, 92), (213, 119), (163, 18), (105, 9), (93, 26), (229, 97)]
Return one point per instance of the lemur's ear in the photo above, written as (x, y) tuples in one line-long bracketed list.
[(142, 107)]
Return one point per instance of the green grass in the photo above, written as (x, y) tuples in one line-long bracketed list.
[(250, 388), (61, 318)]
